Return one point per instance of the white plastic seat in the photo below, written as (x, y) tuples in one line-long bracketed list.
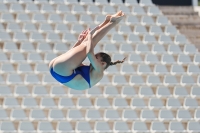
[(92, 9), (184, 59), (54, 18), (10, 102), (170, 30), (197, 115), (146, 3), (49, 56), (120, 103), (25, 1), (26, 126), (94, 92), (34, 58), (85, 19), (62, 9), (39, 91), (75, 93), (175, 126), (110, 91), (124, 30), (29, 27), (48, 79), (38, 18), (128, 91), (22, 17), (116, 2), (74, 114), (14, 79), (177, 70), (162, 21), (45, 28), (15, 7), (173, 103), (86, 2), (57, 91), (155, 30), (129, 115), (139, 126), (167, 59), (139, 29), (13, 27), (134, 59), (121, 126), (3, 8), (187, 80), (7, 68), (18, 114), (46, 8), (151, 59), (160, 69), (4, 36), (31, 79), (2, 27), (19, 37), (166, 115), (2, 80), (21, 91), (111, 70), (145, 91), (155, 103), (70, 2), (102, 103), (190, 50), (5, 91), (52, 2), (131, 3), (119, 80), (153, 80), (31, 8), (56, 114), (6, 17), (65, 103), (83, 126), (138, 10), (60, 48), (68, 38), (127, 69), (117, 38), (45, 126), (102, 126), (110, 48), (29, 102), (3, 57), (190, 103), (104, 81), (183, 115), (180, 92), (143, 69), (148, 39), (84, 103), (163, 91), (47, 103), (107, 9), (124, 9), (136, 80), (8, 126), (92, 114), (43, 48), (132, 38), (174, 49), (111, 114), (77, 9), (164, 39), (76, 28), (138, 103), (70, 19), (153, 11), (180, 39), (147, 20), (193, 126), (99, 18), (157, 126), (36, 37), (195, 91), (170, 80), (141, 49), (41, 68), (64, 126), (147, 115), (196, 59), (131, 20)]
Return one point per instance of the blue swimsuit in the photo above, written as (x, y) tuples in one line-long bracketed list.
[(84, 71)]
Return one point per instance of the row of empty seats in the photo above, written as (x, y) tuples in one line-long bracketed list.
[(100, 126), (101, 103)]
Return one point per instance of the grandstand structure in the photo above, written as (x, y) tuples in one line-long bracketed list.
[(157, 89)]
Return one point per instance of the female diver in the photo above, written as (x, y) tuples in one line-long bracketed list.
[(68, 68)]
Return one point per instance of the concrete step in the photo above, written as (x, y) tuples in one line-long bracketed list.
[(178, 10), (184, 19)]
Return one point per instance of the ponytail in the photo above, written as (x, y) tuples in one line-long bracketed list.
[(116, 62)]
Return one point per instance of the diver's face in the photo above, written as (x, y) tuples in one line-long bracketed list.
[(99, 59)]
